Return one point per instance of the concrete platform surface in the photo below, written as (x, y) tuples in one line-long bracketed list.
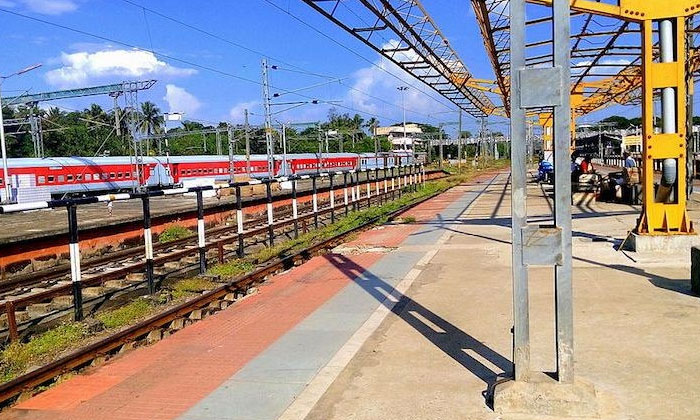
[(448, 340), (252, 360)]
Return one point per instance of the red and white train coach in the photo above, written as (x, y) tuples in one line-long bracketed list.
[(42, 179)]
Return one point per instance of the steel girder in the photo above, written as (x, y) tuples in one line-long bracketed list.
[(404, 33)]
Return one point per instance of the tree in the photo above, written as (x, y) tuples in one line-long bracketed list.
[(151, 119)]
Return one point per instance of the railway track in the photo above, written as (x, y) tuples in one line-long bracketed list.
[(179, 316), (46, 296)]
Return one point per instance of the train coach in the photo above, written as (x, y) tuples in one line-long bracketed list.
[(42, 179)]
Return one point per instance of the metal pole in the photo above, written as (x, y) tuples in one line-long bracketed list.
[(148, 243), (231, 166), (5, 171), (562, 196), (284, 150), (521, 325), (295, 209), (201, 244), (239, 220), (270, 218), (331, 193), (440, 146), (314, 199), (247, 144), (74, 249), (345, 191), (268, 119), (459, 143)]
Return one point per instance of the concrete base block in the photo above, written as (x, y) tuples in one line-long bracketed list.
[(661, 243), (543, 396)]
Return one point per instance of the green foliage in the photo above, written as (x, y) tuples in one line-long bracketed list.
[(17, 357), (173, 233), (190, 286), (126, 315), (408, 219)]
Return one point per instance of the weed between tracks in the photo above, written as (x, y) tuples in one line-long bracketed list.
[(173, 233), (18, 357)]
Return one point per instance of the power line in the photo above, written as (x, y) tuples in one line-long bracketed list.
[(299, 69), (298, 19), (179, 60)]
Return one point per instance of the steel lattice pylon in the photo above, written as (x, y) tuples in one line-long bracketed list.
[(404, 33)]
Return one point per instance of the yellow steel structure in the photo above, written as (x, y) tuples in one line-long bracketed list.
[(659, 217)]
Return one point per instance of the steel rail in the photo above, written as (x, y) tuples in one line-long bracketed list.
[(109, 344)]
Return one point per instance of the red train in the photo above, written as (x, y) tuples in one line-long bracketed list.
[(42, 179)]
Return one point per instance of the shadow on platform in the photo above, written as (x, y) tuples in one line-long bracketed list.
[(451, 340)]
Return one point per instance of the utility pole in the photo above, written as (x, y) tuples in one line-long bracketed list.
[(440, 145), (231, 167), (284, 150), (320, 148), (403, 90), (247, 144), (268, 119), (459, 143)]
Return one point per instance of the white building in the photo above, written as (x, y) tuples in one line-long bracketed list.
[(395, 134)]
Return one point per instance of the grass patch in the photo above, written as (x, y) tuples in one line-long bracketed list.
[(408, 219), (194, 285), (18, 356), (127, 314), (173, 233)]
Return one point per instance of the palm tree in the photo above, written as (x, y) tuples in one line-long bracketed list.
[(151, 119), (372, 123)]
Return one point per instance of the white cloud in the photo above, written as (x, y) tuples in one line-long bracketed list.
[(50, 7), (380, 84), (237, 113), (81, 67), (180, 100)]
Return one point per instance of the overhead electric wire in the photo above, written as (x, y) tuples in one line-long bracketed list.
[(298, 19), (299, 69), (189, 63)]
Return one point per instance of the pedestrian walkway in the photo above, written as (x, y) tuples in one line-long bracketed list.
[(448, 339), (254, 359)]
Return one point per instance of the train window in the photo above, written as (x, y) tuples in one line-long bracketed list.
[(70, 178), (40, 179), (183, 172), (51, 178), (88, 177), (120, 175), (0, 181), (134, 174), (61, 178), (105, 175), (78, 177), (112, 175), (127, 175)]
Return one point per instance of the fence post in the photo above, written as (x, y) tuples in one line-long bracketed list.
[(369, 188), (332, 197), (74, 250), (398, 178), (148, 243), (270, 217), (295, 209), (200, 234), (314, 198), (385, 185), (239, 220), (345, 191), (376, 184)]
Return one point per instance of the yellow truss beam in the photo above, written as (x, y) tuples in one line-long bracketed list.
[(634, 10)]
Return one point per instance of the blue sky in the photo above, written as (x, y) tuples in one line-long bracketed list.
[(70, 59)]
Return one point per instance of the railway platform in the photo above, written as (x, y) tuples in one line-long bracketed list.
[(412, 320)]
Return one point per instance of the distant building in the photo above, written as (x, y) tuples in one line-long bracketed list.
[(395, 134)]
